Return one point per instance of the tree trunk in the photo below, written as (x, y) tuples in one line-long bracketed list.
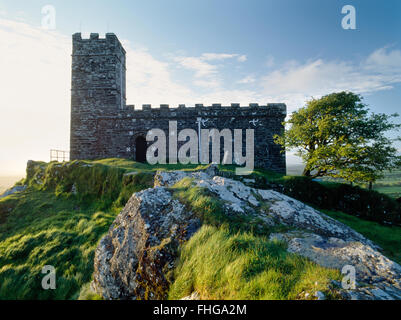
[(370, 186), (306, 173)]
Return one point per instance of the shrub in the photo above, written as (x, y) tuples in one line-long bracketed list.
[(370, 205)]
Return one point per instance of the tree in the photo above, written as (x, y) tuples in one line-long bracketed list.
[(337, 136)]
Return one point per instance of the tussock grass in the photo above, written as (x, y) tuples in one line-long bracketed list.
[(48, 230), (87, 293), (220, 264)]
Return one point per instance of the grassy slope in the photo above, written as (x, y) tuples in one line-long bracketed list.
[(48, 230), (227, 258), (48, 225)]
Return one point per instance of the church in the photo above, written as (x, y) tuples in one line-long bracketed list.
[(104, 126)]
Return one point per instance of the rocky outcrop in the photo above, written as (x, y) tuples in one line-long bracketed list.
[(376, 276), (134, 259)]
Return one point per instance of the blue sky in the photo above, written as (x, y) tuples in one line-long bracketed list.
[(190, 52)]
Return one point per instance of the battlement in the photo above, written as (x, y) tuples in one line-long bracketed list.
[(106, 45), (94, 36), (278, 108)]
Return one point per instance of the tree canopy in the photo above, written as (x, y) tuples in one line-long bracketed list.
[(338, 136)]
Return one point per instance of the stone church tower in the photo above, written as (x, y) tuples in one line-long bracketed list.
[(97, 89)]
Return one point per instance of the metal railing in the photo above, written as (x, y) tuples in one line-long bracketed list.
[(59, 155)]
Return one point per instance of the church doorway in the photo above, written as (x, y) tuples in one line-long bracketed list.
[(140, 149)]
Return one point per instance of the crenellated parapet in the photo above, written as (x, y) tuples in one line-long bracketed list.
[(214, 110), (95, 45)]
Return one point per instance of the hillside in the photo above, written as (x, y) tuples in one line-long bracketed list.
[(66, 209), (390, 184)]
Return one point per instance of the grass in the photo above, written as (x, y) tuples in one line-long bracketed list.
[(50, 224), (387, 237), (257, 172), (137, 166), (87, 293), (47, 224), (48, 230), (220, 264)]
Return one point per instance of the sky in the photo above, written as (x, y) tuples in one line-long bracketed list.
[(187, 52)]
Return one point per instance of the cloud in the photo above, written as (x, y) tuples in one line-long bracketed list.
[(222, 56), (207, 73), (269, 61), (309, 77), (208, 83), (149, 80), (242, 58), (385, 60), (296, 81), (247, 80), (217, 56), (197, 64)]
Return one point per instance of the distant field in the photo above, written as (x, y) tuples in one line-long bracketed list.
[(7, 182), (295, 169), (390, 184)]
